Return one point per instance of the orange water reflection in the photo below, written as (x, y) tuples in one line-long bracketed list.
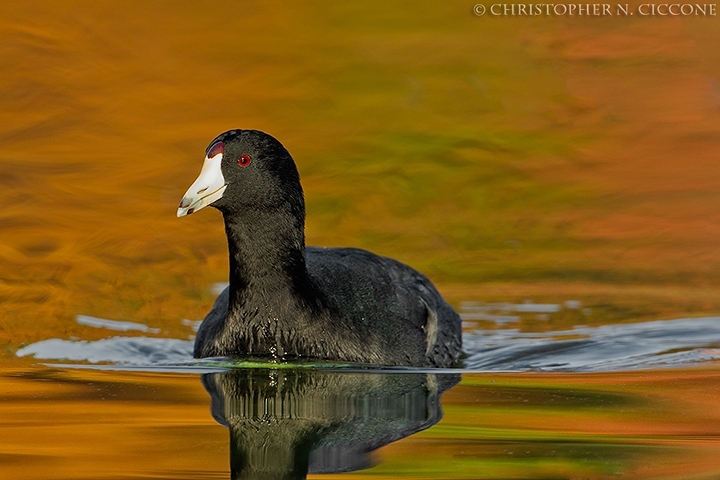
[(60, 424), (547, 155)]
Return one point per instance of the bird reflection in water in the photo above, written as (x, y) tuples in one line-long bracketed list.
[(285, 424)]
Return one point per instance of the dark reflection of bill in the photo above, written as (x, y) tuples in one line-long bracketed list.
[(285, 424)]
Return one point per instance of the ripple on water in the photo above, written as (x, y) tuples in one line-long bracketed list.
[(667, 343), (644, 345)]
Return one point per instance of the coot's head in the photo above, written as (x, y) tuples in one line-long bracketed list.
[(245, 170)]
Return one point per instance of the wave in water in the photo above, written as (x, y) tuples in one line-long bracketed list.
[(646, 345)]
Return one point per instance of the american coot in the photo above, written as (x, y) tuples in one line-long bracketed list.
[(289, 300)]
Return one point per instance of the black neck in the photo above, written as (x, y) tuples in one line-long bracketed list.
[(267, 260), (270, 292)]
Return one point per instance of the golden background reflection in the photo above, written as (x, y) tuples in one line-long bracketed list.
[(553, 158), (506, 157)]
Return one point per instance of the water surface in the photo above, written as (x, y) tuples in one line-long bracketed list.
[(268, 423), (286, 420)]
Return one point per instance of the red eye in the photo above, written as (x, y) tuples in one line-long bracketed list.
[(215, 149), (244, 160)]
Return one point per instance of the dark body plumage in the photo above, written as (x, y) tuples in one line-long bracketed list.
[(288, 300)]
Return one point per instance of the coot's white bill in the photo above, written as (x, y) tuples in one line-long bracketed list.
[(208, 187)]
